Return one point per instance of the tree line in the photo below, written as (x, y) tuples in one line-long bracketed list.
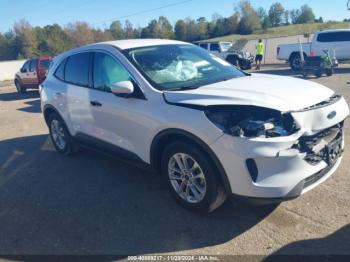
[(24, 40)]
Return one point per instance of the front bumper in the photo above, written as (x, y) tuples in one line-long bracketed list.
[(282, 168)]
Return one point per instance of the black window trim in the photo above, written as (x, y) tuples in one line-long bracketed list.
[(139, 94), (89, 70), (65, 60), (64, 70), (138, 91)]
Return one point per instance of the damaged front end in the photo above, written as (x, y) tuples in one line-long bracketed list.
[(284, 154), (252, 121)]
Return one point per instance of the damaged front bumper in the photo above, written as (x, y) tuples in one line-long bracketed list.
[(286, 167)]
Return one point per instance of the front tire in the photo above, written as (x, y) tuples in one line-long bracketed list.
[(233, 60), (192, 178), (60, 136)]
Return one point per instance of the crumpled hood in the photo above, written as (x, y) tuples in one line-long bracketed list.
[(269, 91)]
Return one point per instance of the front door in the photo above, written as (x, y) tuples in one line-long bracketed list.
[(117, 120)]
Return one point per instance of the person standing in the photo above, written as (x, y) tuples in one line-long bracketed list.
[(260, 50)]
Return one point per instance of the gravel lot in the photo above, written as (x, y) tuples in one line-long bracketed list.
[(94, 204)]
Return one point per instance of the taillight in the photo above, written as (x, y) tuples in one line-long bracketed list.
[(278, 50), (312, 53)]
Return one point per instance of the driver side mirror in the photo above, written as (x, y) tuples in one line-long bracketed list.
[(23, 70), (123, 88)]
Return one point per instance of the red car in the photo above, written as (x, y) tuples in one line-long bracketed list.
[(32, 73)]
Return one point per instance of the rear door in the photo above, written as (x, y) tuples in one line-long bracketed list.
[(32, 74), (24, 74), (77, 81)]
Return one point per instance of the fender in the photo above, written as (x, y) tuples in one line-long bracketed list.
[(159, 139)]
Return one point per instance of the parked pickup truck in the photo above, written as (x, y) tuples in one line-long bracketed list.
[(226, 51), (32, 73), (332, 40)]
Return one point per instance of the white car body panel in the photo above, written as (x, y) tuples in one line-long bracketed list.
[(276, 92), (133, 124)]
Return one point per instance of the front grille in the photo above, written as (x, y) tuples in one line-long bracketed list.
[(316, 147)]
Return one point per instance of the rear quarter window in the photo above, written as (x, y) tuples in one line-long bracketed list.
[(60, 70)]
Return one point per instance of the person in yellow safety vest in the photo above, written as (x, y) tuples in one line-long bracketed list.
[(260, 50)]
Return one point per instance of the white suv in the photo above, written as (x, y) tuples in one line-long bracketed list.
[(210, 129)]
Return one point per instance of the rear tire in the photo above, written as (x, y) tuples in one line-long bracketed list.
[(60, 137), (318, 73), (19, 87), (192, 178), (330, 72), (295, 62)]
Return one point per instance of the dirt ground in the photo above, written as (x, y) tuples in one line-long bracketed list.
[(94, 204)]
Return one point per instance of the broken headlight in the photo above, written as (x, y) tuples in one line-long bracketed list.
[(251, 121)]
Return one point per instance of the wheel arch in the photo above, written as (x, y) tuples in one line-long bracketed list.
[(48, 110), (166, 137), (293, 54)]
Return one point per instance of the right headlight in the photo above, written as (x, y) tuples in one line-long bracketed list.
[(251, 121)]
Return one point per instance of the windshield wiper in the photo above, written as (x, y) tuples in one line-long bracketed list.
[(182, 88)]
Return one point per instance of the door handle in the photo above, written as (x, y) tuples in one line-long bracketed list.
[(95, 103), (58, 94)]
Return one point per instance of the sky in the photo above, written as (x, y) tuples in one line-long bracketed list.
[(100, 13)]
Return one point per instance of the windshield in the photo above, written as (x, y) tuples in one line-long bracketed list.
[(225, 46), (174, 67)]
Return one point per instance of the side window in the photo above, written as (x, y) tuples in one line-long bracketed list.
[(33, 64), (60, 70), (204, 46), (106, 71), (214, 47), (25, 67), (77, 69), (334, 37)]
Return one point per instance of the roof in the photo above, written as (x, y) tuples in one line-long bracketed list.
[(334, 30), (135, 43)]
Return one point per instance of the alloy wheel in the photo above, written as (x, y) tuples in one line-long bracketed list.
[(58, 135), (187, 178)]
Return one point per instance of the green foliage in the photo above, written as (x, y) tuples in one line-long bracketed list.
[(160, 28), (306, 15), (117, 30), (24, 41), (276, 13), (250, 20)]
